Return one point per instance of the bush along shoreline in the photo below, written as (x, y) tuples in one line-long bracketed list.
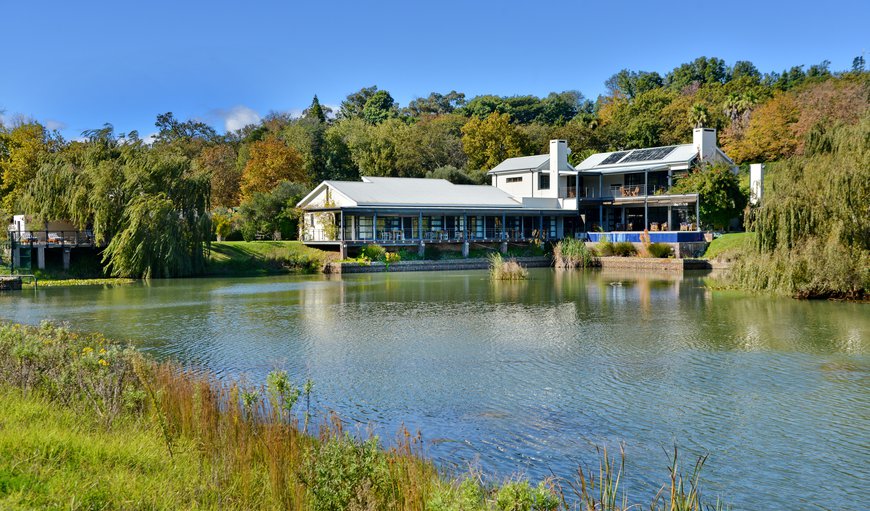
[(103, 426), (812, 230)]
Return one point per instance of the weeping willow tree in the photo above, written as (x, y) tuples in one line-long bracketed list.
[(146, 205), (813, 227), (165, 228)]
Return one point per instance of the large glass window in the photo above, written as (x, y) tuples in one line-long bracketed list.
[(543, 181), (365, 228)]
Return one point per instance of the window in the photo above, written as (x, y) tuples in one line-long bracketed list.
[(543, 181), (365, 228), (514, 180)]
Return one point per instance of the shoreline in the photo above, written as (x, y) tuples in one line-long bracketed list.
[(610, 262)]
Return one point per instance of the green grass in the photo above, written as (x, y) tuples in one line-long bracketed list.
[(251, 258), (79, 282), (52, 457), (729, 245)]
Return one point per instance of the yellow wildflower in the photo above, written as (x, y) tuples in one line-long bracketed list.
[(87, 350), (102, 351), (103, 362)]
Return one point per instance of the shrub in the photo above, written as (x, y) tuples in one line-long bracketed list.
[(374, 252), (660, 250), (521, 496), (347, 474), (506, 269), (572, 253), (605, 248), (624, 249), (432, 253)]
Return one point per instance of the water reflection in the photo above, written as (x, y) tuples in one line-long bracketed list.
[(530, 376)]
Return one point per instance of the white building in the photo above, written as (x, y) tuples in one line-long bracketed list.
[(621, 193)]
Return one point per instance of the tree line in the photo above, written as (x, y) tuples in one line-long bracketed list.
[(154, 203)]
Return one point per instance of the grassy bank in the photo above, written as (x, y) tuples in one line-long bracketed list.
[(730, 246), (89, 424), (251, 258)]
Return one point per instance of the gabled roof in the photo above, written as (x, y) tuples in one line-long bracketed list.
[(416, 192), (627, 162), (537, 162)]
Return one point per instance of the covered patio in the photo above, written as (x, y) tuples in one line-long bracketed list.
[(411, 227)]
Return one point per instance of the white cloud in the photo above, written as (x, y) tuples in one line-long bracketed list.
[(53, 124), (150, 138), (237, 117)]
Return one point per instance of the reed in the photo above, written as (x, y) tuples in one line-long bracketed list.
[(573, 253), (506, 269)]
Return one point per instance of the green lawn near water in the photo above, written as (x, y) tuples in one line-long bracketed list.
[(729, 245), (263, 258), (52, 457)]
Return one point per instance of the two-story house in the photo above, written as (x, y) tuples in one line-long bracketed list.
[(542, 197)]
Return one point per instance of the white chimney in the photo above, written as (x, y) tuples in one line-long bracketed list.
[(558, 161), (756, 183), (704, 140)]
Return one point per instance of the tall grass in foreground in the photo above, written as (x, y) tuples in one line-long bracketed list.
[(506, 269), (77, 402), (573, 253)]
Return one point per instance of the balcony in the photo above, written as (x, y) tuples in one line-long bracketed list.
[(52, 239), (412, 236), (619, 191)]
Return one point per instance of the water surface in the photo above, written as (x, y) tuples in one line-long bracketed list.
[(529, 377)]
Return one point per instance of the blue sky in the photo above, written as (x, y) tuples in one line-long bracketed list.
[(77, 65)]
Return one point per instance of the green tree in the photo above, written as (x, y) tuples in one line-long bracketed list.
[(379, 107), (435, 104), (352, 106), (719, 192), (702, 70), (699, 115), (630, 84), (272, 213), (25, 146), (315, 111), (487, 142)]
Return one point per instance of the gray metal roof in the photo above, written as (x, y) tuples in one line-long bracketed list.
[(537, 162), (682, 154), (420, 192), (523, 163)]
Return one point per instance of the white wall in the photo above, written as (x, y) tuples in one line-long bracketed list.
[(523, 188)]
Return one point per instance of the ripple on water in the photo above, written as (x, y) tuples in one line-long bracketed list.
[(531, 377)]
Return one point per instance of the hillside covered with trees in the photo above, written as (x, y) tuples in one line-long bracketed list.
[(156, 203)]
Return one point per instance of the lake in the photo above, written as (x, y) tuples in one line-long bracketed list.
[(529, 377)]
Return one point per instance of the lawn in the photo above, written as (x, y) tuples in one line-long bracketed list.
[(53, 457), (264, 258), (729, 245)]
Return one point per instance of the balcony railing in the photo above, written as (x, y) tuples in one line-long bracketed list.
[(412, 236), (53, 238), (636, 190)]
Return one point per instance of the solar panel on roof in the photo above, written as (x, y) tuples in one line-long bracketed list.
[(649, 154), (613, 158)]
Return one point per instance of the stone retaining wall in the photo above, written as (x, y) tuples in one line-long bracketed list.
[(10, 283), (622, 263), (441, 265), (648, 263)]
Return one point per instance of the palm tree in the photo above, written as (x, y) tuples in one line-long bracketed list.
[(698, 115)]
